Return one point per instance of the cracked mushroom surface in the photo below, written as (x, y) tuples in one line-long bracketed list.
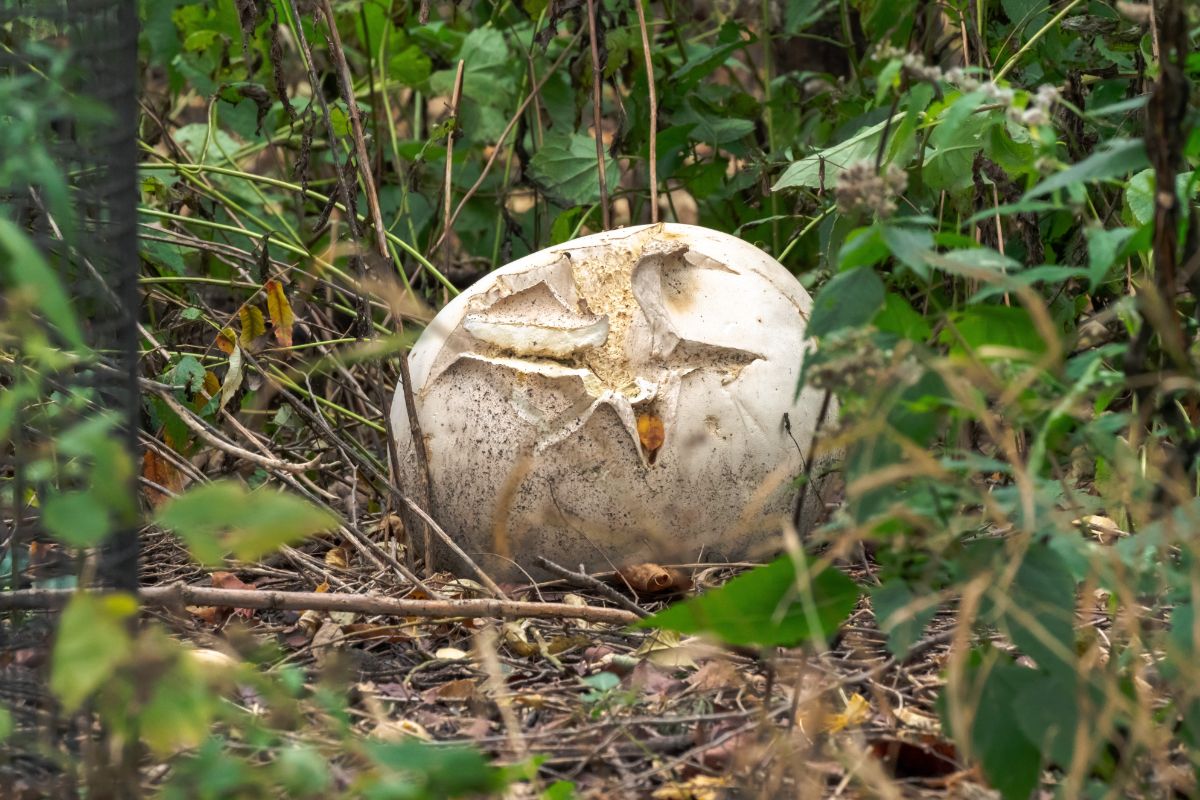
[(616, 399)]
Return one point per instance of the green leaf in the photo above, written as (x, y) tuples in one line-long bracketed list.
[(807, 171), (6, 726), (304, 771), (1112, 159), (24, 268), (994, 326), (1103, 248), (697, 69), (439, 772), (410, 66), (910, 246), (92, 641), (189, 374), (78, 519), (1010, 761), (898, 317), (888, 601), (223, 517), (180, 709), (1037, 611), (566, 168), (849, 299), (768, 606)]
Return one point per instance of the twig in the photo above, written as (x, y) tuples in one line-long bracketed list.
[(433, 527), (597, 98), (584, 581), (315, 82), (447, 184), (180, 594), (208, 436), (512, 123), (360, 144), (653, 155)]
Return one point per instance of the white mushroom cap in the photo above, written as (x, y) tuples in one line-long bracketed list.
[(530, 385)]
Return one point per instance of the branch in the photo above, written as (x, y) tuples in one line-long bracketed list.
[(180, 594)]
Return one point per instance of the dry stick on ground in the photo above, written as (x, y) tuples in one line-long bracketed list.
[(431, 525), (512, 123), (597, 99), (180, 594), (584, 581), (653, 153)]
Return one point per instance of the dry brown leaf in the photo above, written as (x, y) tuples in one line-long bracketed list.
[(651, 433), (456, 691), (338, 557), (395, 730), (911, 718), (450, 654), (652, 578), (715, 675), (280, 310), (159, 470), (253, 325), (365, 631)]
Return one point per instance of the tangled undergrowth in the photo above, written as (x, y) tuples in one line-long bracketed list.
[(994, 205)]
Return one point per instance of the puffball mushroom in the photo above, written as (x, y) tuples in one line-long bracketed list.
[(625, 397)]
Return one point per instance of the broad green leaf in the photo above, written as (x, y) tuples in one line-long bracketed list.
[(92, 641), (899, 318), (1112, 159), (438, 771), (224, 517), (888, 601), (24, 268), (304, 771), (808, 171), (410, 66), (1037, 610), (768, 606), (1139, 194), (78, 519), (849, 299), (6, 724), (993, 326), (189, 374), (565, 166), (1010, 761), (1103, 248), (910, 246), (697, 69)]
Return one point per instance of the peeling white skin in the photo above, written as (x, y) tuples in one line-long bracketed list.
[(529, 385)]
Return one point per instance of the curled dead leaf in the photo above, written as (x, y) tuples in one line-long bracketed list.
[(161, 471), (653, 579)]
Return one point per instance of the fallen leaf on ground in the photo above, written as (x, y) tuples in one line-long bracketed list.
[(653, 579), (450, 654), (714, 675), (857, 711), (456, 691), (1104, 529), (338, 557), (698, 787)]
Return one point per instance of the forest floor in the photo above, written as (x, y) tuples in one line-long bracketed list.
[(615, 711)]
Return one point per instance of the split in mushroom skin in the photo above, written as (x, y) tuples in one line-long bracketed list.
[(529, 387)]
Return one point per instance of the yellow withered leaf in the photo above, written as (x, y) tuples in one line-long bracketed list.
[(280, 310), (651, 433), (253, 325), (227, 340)]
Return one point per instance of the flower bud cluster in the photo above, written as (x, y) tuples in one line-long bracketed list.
[(1035, 112), (860, 188)]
